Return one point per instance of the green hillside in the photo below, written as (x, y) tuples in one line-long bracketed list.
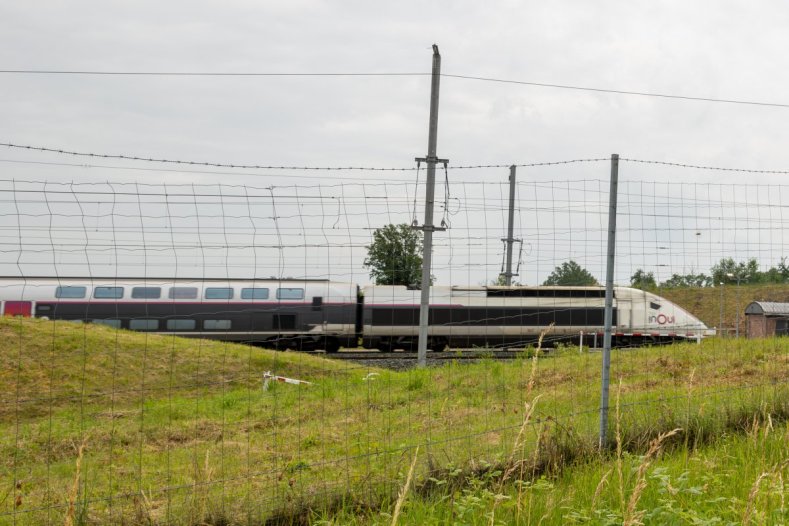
[(55, 365), (705, 303)]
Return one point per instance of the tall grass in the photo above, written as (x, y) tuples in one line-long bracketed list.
[(181, 432)]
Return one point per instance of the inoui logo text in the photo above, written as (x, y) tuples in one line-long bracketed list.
[(661, 319)]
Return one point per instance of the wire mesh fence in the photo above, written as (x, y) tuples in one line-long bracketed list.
[(174, 422)]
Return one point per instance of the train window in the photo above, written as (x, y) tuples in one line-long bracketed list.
[(70, 292), (546, 293), (216, 325), (254, 294), (181, 325), (116, 324), (108, 293), (654, 306), (218, 293), (290, 294), (151, 293), (143, 325), (183, 293)]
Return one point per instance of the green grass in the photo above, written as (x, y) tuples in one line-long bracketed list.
[(737, 479), (178, 431)]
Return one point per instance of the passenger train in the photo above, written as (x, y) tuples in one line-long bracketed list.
[(308, 314)]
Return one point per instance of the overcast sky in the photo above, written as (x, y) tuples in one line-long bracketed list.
[(719, 49), (712, 49)]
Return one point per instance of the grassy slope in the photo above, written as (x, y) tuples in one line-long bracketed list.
[(705, 303), (180, 431), (138, 402), (54, 365)]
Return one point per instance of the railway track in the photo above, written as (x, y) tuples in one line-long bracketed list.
[(408, 359), (464, 354)]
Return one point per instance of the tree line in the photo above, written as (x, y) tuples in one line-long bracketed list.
[(394, 257), (725, 271)]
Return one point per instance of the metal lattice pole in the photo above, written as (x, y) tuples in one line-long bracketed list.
[(427, 227), (508, 269)]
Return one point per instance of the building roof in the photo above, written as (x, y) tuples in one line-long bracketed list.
[(768, 308)]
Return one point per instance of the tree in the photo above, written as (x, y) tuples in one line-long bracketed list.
[(570, 273), (395, 255), (501, 281), (727, 270), (643, 280), (783, 270), (775, 275), (688, 280)]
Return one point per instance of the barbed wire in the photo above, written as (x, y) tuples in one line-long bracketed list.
[(127, 157), (702, 167), (530, 165), (353, 168), (203, 163)]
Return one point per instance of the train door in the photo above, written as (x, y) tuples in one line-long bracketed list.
[(18, 308), (318, 311), (624, 314), (640, 318)]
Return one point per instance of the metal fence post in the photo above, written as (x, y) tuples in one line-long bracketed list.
[(609, 300)]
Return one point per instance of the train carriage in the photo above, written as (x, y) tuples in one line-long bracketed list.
[(298, 314)]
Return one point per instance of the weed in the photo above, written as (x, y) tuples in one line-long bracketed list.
[(76, 514), (404, 491), (632, 516), (416, 382)]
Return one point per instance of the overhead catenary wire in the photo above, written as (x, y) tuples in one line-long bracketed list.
[(551, 85)]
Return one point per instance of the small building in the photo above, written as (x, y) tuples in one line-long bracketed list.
[(767, 318)]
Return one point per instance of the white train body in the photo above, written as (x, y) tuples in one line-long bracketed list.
[(502, 316), (307, 314)]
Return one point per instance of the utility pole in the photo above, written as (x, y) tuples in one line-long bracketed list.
[(720, 330), (428, 228), (738, 277), (509, 240)]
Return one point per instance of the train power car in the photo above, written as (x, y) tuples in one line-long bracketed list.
[(510, 316), (296, 314)]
